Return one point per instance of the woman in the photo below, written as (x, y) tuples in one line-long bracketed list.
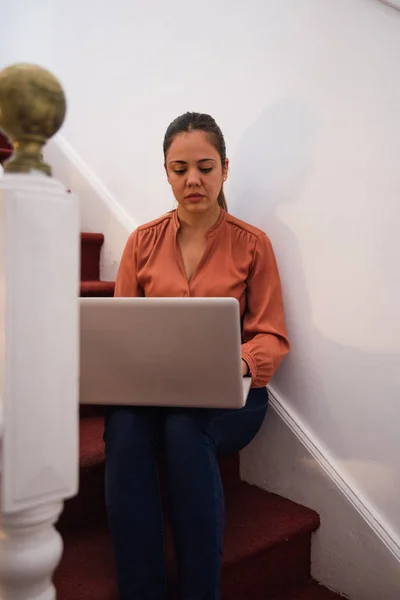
[(196, 250)]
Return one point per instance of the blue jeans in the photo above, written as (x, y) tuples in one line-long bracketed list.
[(189, 439)]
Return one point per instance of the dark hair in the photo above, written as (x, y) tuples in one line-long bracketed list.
[(202, 122)]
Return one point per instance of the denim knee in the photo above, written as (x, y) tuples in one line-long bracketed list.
[(182, 431), (184, 443)]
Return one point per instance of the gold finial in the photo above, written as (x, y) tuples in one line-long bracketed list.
[(32, 110)]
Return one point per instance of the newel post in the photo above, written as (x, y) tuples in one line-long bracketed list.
[(39, 329)]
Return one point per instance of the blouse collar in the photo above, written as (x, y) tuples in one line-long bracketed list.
[(212, 231)]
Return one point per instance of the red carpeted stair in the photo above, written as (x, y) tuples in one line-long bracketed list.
[(90, 267), (267, 540)]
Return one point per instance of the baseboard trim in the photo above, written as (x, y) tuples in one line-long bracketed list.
[(347, 488)]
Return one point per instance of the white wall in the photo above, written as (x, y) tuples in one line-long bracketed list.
[(308, 95)]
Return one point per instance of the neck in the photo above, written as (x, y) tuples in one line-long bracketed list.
[(199, 222)]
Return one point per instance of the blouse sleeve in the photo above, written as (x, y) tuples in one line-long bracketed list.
[(265, 339), (127, 283)]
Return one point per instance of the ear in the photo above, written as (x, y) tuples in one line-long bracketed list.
[(225, 169)]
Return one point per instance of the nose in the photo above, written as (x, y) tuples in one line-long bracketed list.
[(193, 177)]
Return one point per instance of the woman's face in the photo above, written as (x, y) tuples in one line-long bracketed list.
[(194, 171)]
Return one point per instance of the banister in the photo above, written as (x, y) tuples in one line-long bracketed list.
[(39, 337)]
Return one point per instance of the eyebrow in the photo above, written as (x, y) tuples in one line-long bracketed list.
[(183, 162)]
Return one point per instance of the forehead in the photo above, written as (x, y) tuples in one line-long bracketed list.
[(191, 146)]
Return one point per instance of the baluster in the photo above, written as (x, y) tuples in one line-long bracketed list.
[(39, 338)]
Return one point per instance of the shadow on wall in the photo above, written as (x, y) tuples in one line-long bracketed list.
[(336, 387)]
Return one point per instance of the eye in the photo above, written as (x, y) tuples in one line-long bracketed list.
[(206, 169), (179, 171)]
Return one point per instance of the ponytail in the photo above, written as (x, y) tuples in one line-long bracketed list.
[(222, 200)]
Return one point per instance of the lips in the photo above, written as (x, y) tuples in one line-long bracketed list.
[(194, 196)]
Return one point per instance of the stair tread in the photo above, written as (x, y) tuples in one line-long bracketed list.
[(97, 288), (97, 284), (92, 238), (257, 522), (272, 520)]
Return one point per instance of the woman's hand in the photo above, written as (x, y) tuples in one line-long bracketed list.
[(245, 368)]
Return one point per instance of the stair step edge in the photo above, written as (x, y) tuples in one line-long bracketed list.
[(97, 288), (88, 237)]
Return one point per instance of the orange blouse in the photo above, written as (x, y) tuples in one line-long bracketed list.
[(238, 262)]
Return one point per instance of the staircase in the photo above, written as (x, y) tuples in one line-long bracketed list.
[(267, 541)]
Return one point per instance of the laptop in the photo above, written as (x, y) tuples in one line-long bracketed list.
[(161, 352)]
